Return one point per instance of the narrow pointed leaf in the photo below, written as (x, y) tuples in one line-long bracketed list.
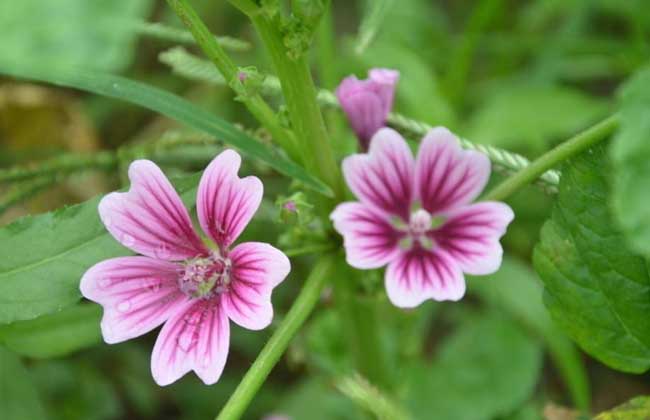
[(169, 105)]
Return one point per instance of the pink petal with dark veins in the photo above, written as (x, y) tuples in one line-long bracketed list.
[(256, 269), (384, 177), (150, 218), (137, 293), (369, 239), (417, 275), (447, 176), (471, 236), (226, 203), (196, 338)]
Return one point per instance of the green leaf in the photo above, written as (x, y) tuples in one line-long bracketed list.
[(19, 399), (487, 368), (516, 289), (44, 256), (529, 117), (636, 409), (53, 335), (630, 153), (375, 12), (70, 32), (169, 105), (597, 290)]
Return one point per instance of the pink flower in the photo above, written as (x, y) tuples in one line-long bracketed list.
[(367, 103), (178, 280), (415, 216)]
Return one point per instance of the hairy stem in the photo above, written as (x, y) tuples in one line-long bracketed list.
[(552, 158), (65, 164), (304, 112), (279, 341), (213, 50)]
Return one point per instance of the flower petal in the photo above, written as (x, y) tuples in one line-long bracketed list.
[(197, 338), (150, 218), (383, 178), (418, 275), (225, 203), (369, 239), (471, 236), (256, 269), (137, 293), (385, 80), (447, 176)]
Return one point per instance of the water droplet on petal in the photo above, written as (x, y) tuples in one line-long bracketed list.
[(155, 286), (187, 339), (162, 252), (128, 240), (124, 306), (105, 283)]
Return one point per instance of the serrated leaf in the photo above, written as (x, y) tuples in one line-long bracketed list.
[(44, 256), (630, 153), (487, 368), (169, 105), (53, 335), (517, 290), (636, 409), (19, 399), (596, 288)]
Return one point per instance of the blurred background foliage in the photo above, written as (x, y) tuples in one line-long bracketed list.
[(516, 74)]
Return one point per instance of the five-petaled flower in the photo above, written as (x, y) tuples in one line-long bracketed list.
[(416, 216), (368, 102), (178, 280)]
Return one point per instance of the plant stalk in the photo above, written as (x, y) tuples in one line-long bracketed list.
[(213, 50), (552, 158), (279, 341)]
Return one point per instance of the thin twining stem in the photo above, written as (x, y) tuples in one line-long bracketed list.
[(192, 67)]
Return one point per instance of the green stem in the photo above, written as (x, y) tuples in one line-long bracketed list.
[(552, 158), (65, 164), (300, 96), (361, 326), (279, 341), (213, 50)]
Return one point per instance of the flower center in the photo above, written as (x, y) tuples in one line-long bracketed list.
[(420, 222), (205, 277)]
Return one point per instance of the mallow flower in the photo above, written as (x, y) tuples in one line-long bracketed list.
[(194, 289), (416, 216), (368, 102)]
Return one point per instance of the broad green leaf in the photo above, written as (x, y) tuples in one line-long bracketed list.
[(44, 256), (529, 117), (19, 399), (166, 104), (636, 409), (630, 153), (72, 32), (56, 334), (596, 288), (487, 368), (516, 289), (315, 399)]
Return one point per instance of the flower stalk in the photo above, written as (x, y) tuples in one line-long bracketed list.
[(279, 341), (569, 148), (254, 102)]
